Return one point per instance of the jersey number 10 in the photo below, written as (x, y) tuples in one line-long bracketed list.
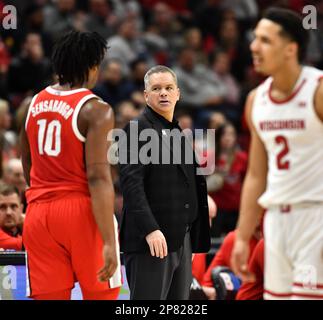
[(49, 137)]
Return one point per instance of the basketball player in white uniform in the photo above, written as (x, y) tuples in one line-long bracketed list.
[(285, 173)]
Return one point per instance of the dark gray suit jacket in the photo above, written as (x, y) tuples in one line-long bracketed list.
[(156, 197)]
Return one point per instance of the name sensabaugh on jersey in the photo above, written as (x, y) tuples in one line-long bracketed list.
[(56, 143)]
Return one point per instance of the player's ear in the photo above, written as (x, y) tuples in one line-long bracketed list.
[(292, 49), (146, 96), (94, 68)]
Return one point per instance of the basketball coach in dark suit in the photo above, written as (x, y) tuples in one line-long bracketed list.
[(165, 210)]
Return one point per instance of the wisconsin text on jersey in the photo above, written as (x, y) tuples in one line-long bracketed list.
[(58, 106), (282, 124)]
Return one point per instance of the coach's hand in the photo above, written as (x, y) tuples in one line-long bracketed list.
[(239, 261), (110, 262), (157, 244)]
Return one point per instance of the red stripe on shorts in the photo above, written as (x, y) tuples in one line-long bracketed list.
[(299, 284), (301, 295), (280, 295)]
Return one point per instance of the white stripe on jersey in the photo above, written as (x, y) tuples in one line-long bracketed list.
[(76, 113), (53, 91)]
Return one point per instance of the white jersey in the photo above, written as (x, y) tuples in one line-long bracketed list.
[(293, 137)]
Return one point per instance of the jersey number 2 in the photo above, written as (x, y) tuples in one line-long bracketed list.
[(281, 163), (51, 142)]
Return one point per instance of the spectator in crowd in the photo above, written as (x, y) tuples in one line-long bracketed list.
[(59, 17), (138, 69), (126, 45), (224, 185), (194, 40), (129, 9), (113, 88), (254, 290), (5, 60), (295, 5), (164, 34), (185, 120), (208, 17), (231, 40), (13, 175), (11, 218), (125, 112), (34, 23), (101, 18), (246, 11), (30, 71), (216, 120), (315, 47), (199, 87), (222, 259), (181, 7), (221, 65), (204, 146), (8, 138)]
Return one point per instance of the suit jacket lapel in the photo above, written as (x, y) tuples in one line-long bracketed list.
[(162, 132)]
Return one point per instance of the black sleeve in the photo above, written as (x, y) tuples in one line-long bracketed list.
[(132, 186)]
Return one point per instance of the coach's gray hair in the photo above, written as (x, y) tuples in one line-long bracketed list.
[(158, 69)]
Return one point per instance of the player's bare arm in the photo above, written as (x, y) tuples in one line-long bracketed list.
[(250, 211), (25, 150), (95, 120), (255, 180), (318, 100)]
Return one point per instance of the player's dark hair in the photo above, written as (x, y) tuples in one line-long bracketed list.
[(292, 27), (75, 53)]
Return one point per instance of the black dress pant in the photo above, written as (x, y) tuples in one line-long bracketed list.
[(152, 278)]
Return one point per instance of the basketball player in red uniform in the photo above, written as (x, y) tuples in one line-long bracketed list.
[(70, 230)]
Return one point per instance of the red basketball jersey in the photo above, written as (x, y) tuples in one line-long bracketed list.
[(56, 144)]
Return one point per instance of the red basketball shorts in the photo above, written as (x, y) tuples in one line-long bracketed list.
[(63, 245)]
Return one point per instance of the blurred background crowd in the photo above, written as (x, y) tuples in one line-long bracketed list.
[(206, 42)]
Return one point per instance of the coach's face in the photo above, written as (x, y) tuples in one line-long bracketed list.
[(162, 93)]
